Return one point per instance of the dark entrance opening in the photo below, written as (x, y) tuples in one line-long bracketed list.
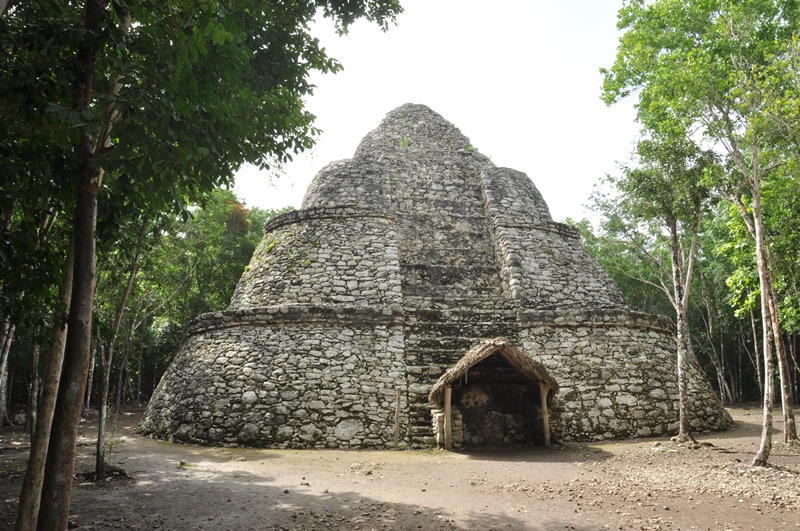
[(499, 407), (496, 395)]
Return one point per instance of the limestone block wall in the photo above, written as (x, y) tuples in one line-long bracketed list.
[(444, 244), (617, 374), (363, 184), (512, 199), (411, 127), (288, 377), (434, 185), (322, 256), (436, 337), (542, 263)]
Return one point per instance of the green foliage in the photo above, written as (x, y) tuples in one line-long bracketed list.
[(727, 72), (188, 268), (635, 275), (161, 102), (204, 87)]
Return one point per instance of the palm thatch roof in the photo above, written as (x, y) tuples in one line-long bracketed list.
[(520, 360)]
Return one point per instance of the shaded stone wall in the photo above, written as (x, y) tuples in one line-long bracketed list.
[(543, 263), (444, 243), (323, 255), (362, 184), (238, 380), (617, 374)]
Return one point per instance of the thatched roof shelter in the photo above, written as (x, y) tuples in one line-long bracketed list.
[(520, 360)]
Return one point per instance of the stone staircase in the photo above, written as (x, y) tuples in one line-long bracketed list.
[(438, 332)]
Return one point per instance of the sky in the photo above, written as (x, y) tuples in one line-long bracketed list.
[(520, 78)]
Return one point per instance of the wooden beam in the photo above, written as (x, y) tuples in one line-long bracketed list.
[(448, 418), (543, 390)]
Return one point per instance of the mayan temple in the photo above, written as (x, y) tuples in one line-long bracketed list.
[(422, 295)]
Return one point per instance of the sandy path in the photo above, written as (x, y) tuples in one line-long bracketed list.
[(632, 485)]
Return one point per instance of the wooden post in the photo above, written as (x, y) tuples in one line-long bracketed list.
[(448, 418), (397, 420), (543, 390)]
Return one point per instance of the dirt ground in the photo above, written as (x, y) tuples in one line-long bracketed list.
[(642, 485)]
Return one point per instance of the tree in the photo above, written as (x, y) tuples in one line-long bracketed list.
[(108, 349), (711, 66), (657, 208), (162, 101)]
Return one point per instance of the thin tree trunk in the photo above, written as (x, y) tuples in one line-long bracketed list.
[(90, 377), (793, 354), (123, 370), (679, 285), (5, 350), (30, 496), (139, 369), (716, 358), (100, 462), (740, 384), (789, 425), (726, 377), (737, 375), (755, 357), (33, 391), (9, 394), (767, 317), (106, 356)]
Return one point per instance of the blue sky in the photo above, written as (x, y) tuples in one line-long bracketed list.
[(520, 78)]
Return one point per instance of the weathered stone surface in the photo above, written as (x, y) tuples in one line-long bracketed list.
[(399, 261)]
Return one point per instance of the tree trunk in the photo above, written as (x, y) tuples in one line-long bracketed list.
[(90, 377), (727, 388), (139, 369), (755, 351), (793, 354), (100, 462), (681, 280), (789, 425), (106, 356), (30, 496), (5, 351), (684, 419), (56, 494), (57, 489), (33, 391), (717, 358), (123, 369), (765, 447)]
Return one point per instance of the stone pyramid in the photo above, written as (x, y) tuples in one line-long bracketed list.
[(400, 260)]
